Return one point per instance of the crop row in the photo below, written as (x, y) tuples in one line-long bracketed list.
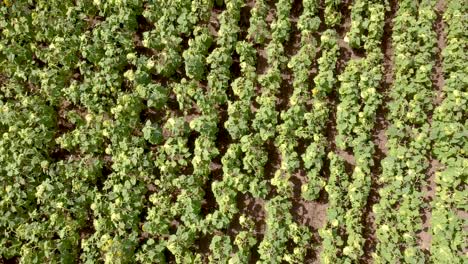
[(397, 215), (343, 236), (449, 147)]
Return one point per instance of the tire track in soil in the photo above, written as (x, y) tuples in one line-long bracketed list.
[(379, 136), (438, 81)]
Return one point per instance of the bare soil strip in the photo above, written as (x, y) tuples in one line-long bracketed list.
[(429, 189)]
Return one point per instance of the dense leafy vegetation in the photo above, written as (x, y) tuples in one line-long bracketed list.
[(230, 131), (398, 212), (448, 135)]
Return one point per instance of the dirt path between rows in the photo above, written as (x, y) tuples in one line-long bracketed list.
[(429, 188)]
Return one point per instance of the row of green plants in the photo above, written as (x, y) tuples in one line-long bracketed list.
[(319, 114), (398, 213), (272, 249), (448, 131), (343, 236), (291, 128), (111, 113)]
